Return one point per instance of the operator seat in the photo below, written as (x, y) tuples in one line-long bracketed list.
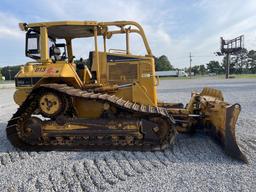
[(55, 53), (90, 62)]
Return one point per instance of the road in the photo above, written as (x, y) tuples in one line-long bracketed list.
[(193, 164)]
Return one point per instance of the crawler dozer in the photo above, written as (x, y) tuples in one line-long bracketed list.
[(109, 101)]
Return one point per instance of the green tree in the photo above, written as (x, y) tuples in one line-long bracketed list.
[(214, 67), (252, 61), (195, 69), (198, 70), (163, 63), (9, 72), (0, 74), (241, 62), (202, 69)]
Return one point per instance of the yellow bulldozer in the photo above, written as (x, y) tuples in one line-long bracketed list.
[(109, 102)]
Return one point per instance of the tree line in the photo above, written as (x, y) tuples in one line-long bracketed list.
[(9, 72), (245, 62), (162, 64)]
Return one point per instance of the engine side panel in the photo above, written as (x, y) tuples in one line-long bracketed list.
[(34, 75)]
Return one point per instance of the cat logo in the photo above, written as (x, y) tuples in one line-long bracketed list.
[(40, 69), (51, 71)]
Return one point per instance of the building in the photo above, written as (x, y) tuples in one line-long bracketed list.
[(177, 73)]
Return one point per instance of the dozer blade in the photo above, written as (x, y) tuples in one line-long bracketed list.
[(220, 121), (230, 144)]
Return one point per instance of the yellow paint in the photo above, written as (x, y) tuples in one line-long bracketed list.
[(130, 77), (88, 109), (21, 94), (44, 45), (139, 95), (143, 89)]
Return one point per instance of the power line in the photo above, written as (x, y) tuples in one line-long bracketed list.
[(190, 62), (185, 57), (205, 56)]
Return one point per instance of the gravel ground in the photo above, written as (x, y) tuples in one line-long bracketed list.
[(7, 85), (193, 164)]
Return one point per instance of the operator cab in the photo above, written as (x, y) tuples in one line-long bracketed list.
[(57, 51), (52, 42)]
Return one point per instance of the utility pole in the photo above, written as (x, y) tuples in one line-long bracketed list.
[(10, 76), (190, 62), (227, 65)]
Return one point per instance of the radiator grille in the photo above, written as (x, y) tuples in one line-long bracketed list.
[(122, 72)]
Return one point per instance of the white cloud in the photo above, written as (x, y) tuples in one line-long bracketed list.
[(9, 27), (148, 15), (220, 18), (173, 28)]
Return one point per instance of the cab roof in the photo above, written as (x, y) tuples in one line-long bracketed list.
[(63, 23), (72, 29), (77, 29)]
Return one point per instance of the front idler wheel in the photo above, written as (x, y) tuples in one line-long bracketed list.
[(51, 104)]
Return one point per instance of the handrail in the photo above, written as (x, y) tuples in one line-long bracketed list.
[(125, 23)]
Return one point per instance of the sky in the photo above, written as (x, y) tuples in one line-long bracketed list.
[(173, 27)]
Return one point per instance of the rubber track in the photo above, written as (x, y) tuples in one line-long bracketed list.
[(143, 110)]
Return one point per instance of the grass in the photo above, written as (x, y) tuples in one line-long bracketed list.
[(174, 78), (6, 82), (236, 76), (246, 76)]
